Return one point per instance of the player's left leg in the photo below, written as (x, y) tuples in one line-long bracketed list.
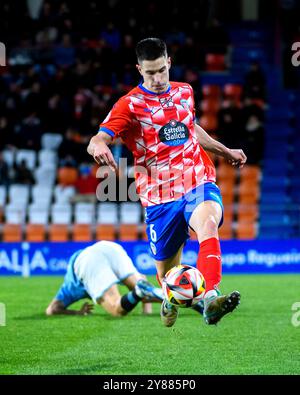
[(205, 221), (144, 289), (118, 305), (168, 312)]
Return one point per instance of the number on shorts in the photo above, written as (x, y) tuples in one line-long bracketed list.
[(153, 235)]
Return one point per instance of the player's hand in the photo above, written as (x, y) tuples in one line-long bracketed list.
[(103, 156), (236, 157), (86, 308)]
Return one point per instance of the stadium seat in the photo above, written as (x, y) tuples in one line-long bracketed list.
[(84, 213), (82, 232), (63, 194), (246, 230), (18, 193), (15, 214), (28, 155), (35, 232), (41, 194), (250, 173), (45, 176), (51, 141), (227, 189), (226, 172), (143, 232), (215, 62), (211, 91), (208, 122), (61, 213), (107, 213), (9, 157), (3, 194), (58, 232), (128, 232), (232, 91), (248, 193), (12, 232), (106, 232), (228, 213), (46, 156), (38, 214), (67, 176), (210, 106), (247, 212), (130, 213), (226, 230)]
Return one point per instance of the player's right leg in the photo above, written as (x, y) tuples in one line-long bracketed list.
[(205, 220)]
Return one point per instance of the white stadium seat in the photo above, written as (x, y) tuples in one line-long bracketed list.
[(84, 213), (51, 141), (18, 193), (47, 156), (3, 194), (15, 214), (130, 213), (9, 157), (38, 214), (45, 176), (42, 194), (61, 213), (28, 155), (63, 194), (107, 213)]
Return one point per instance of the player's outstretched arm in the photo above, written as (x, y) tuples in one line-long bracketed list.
[(98, 148), (57, 307), (236, 157)]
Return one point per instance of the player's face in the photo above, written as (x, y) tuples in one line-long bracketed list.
[(155, 74)]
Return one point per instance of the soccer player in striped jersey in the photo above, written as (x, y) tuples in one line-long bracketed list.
[(175, 178)]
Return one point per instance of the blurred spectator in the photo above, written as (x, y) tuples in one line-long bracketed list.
[(4, 172), (253, 140), (216, 38), (230, 124), (22, 174), (64, 54), (67, 174), (86, 183), (29, 133), (254, 85)]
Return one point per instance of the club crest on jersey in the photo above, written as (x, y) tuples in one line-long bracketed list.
[(166, 102), (174, 133)]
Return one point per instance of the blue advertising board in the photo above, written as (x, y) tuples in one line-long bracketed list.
[(257, 256)]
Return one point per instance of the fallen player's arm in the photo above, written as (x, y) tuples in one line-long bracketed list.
[(235, 157), (57, 307)]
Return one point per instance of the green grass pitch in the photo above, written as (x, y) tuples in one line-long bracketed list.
[(257, 338)]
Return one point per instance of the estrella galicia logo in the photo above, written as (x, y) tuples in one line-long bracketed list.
[(174, 133)]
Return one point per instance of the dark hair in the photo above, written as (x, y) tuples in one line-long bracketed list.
[(150, 49)]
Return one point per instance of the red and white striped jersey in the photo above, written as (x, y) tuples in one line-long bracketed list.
[(159, 130)]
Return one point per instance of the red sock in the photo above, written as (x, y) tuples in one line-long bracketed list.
[(209, 263)]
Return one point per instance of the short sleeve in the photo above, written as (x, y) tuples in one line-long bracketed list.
[(118, 120)]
